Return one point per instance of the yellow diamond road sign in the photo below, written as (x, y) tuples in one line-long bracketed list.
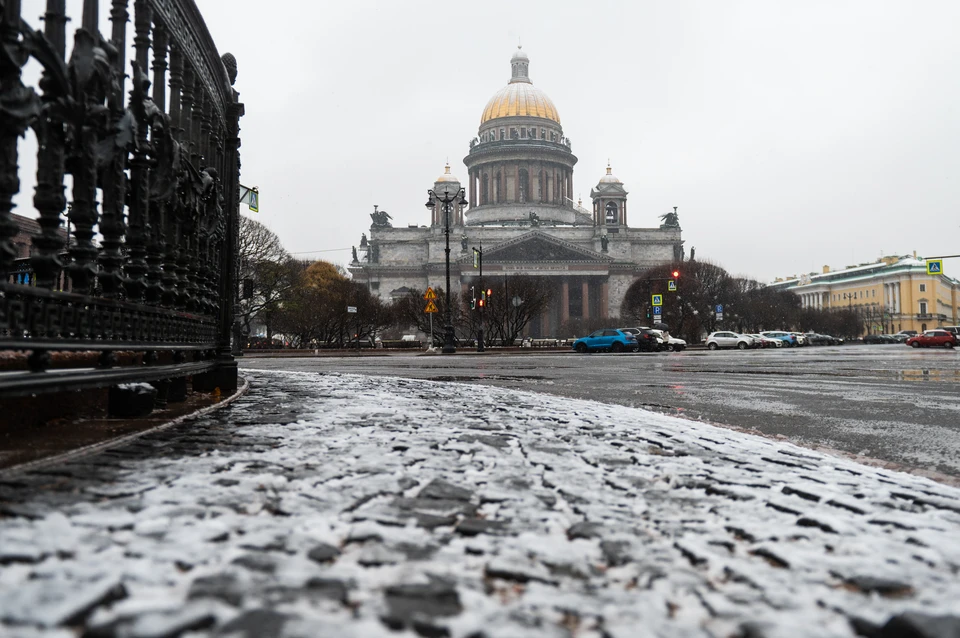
[(657, 300), (431, 307), (430, 295), (934, 266)]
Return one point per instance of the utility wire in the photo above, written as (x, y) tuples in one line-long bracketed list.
[(328, 250)]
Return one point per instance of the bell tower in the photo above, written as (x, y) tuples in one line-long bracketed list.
[(609, 201)]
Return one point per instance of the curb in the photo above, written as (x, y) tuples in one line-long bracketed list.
[(94, 448)]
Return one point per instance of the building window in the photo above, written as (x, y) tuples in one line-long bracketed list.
[(523, 133), (873, 293), (923, 287), (503, 134), (923, 307)]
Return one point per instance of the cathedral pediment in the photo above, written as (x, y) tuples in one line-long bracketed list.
[(537, 246)]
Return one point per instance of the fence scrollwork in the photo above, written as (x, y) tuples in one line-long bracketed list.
[(140, 254)]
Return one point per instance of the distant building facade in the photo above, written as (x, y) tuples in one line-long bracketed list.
[(22, 242), (892, 294), (520, 209)]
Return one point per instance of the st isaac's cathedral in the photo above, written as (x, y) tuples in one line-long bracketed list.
[(520, 208)]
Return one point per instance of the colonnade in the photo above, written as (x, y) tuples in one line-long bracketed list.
[(520, 182)]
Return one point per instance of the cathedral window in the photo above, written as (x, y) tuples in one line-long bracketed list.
[(503, 134), (523, 133), (485, 189), (543, 134)]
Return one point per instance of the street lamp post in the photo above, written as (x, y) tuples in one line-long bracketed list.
[(447, 199)]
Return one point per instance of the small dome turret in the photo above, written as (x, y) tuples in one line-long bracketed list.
[(609, 178), (447, 177)]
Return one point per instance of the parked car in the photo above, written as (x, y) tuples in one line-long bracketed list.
[(932, 338), (910, 333), (606, 339), (879, 339), (716, 340), (817, 339), (788, 338), (648, 340), (801, 339), (954, 330), (671, 343), (768, 342), (834, 341)]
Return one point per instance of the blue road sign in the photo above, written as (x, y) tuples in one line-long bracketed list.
[(657, 300), (657, 310), (719, 308), (934, 266)]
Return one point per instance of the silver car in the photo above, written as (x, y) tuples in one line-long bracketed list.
[(724, 339)]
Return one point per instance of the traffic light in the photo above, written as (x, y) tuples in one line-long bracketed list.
[(675, 273), (489, 293)]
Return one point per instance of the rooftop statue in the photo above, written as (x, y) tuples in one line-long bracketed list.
[(534, 219), (670, 220), (381, 218)]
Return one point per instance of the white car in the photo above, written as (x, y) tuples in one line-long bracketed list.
[(717, 340), (670, 343)]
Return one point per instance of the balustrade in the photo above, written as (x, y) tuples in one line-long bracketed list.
[(149, 262)]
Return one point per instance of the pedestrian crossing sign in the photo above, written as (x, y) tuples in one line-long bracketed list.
[(934, 266), (672, 286), (657, 300), (431, 307)]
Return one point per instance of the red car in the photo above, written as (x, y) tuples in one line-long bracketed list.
[(933, 338)]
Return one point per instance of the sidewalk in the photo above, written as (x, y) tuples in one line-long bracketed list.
[(341, 505)]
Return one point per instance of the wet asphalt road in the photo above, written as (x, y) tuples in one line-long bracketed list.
[(887, 403)]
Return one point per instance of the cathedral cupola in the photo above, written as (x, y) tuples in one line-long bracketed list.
[(446, 183), (609, 201)]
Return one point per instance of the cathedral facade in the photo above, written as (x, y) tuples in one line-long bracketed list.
[(519, 208)]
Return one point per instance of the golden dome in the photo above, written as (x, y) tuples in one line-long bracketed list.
[(520, 98)]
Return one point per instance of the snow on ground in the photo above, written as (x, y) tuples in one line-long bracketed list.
[(347, 505)]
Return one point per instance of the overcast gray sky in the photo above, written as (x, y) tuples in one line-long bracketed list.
[(790, 135)]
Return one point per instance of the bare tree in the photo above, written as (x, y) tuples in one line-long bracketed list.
[(268, 268), (514, 302)]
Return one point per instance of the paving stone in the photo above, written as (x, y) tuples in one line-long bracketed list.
[(225, 587), (420, 602), (584, 529), (919, 625), (439, 489), (323, 553), (475, 526), (255, 623), (329, 588)]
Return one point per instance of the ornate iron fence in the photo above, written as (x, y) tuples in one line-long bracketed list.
[(149, 263)]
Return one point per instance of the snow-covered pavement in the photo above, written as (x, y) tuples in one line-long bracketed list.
[(342, 505)]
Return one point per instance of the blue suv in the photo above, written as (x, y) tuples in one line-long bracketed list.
[(606, 339)]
